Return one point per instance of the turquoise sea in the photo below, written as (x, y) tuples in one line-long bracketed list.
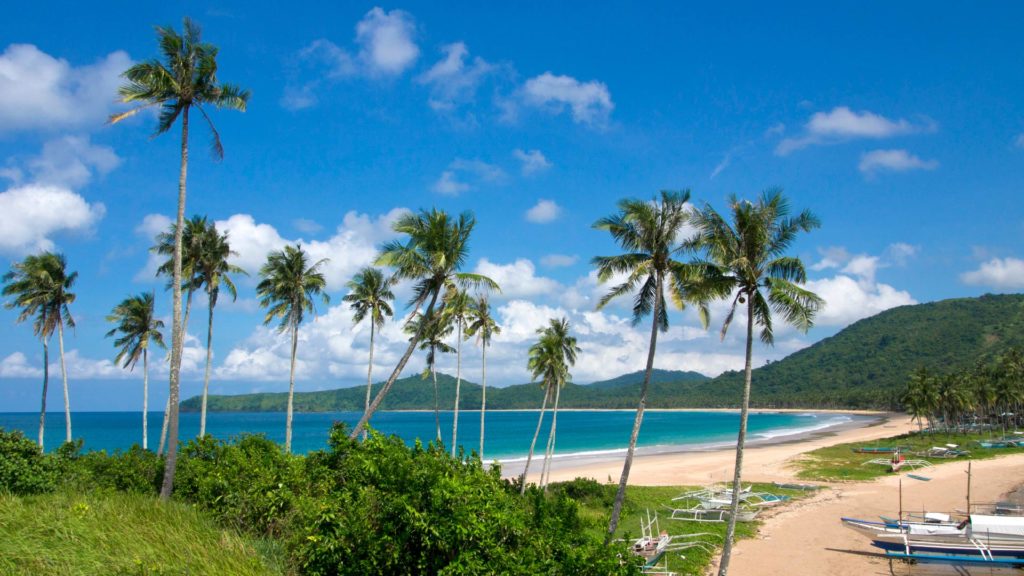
[(583, 432)]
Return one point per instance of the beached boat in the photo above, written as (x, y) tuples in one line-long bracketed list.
[(876, 449), (796, 486), (981, 536)]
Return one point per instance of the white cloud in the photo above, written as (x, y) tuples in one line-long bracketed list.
[(559, 260), (899, 252), (16, 365), (893, 161), (449, 184), (517, 279), (31, 214), (69, 161), (722, 165), (386, 41), (532, 161), (842, 124), (307, 226), (589, 102), (543, 211), (40, 91), (848, 299), (452, 82), (999, 273)]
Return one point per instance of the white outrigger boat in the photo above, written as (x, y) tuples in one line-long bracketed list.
[(980, 538), (654, 543)]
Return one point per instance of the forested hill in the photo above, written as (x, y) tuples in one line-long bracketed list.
[(864, 365)]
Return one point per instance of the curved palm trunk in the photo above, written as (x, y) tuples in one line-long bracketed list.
[(394, 375), (177, 334), (291, 392), (529, 457), (369, 372), (437, 405), (730, 531), (163, 429), (206, 376), (64, 377), (483, 396), (550, 454), (145, 398), (458, 384), (46, 385), (620, 495)]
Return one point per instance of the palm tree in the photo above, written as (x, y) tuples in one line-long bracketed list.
[(186, 78), (212, 272), (436, 249), (748, 256), (41, 288), (550, 358), (370, 296), (457, 311), (920, 399), (648, 232), (483, 326), (1010, 384), (138, 326), (288, 287), (432, 330)]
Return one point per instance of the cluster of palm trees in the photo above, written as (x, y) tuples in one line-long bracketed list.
[(987, 394)]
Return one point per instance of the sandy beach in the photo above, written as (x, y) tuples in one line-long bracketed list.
[(806, 537)]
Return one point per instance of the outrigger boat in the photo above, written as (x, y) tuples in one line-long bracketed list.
[(652, 548)]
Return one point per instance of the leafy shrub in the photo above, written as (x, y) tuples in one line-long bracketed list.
[(586, 490), (23, 467)]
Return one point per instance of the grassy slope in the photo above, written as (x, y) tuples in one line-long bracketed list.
[(121, 534)]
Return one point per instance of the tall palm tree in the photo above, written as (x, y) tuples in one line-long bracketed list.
[(433, 331), (648, 232), (1009, 384), (213, 271), (483, 326), (41, 287), (550, 358), (431, 257), (920, 400), (457, 311), (370, 296), (137, 325), (287, 288), (747, 255), (186, 78)]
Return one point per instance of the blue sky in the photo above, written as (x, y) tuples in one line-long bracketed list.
[(901, 127)]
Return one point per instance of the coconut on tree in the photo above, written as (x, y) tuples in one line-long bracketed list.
[(288, 287), (370, 296), (483, 326), (649, 233), (186, 78), (137, 326), (748, 254), (41, 287), (431, 257)]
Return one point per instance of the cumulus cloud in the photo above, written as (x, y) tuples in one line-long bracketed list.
[(69, 161), (39, 91), (30, 215), (543, 211), (841, 124), (517, 279), (453, 180), (559, 260), (449, 184), (16, 365), (893, 161), (848, 299), (532, 161), (589, 102), (306, 226), (999, 273), (453, 80)]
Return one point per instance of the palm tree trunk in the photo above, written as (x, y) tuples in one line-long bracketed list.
[(206, 376), (145, 398), (529, 457), (546, 471), (483, 396), (620, 495), (163, 429), (46, 385), (437, 406), (458, 384), (64, 377), (394, 375), (369, 371), (291, 392), (177, 328), (730, 530)]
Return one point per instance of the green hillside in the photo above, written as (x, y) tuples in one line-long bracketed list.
[(864, 365)]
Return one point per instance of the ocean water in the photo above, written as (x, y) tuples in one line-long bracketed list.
[(508, 438)]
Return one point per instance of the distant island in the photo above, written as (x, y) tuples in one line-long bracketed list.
[(865, 365)]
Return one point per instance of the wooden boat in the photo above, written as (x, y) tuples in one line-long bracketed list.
[(983, 537), (876, 449), (796, 486)]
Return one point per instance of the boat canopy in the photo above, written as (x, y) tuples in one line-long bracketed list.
[(1002, 525)]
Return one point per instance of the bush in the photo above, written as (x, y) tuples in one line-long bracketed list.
[(24, 469)]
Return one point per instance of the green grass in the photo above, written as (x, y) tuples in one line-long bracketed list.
[(122, 534), (596, 511), (840, 463)]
